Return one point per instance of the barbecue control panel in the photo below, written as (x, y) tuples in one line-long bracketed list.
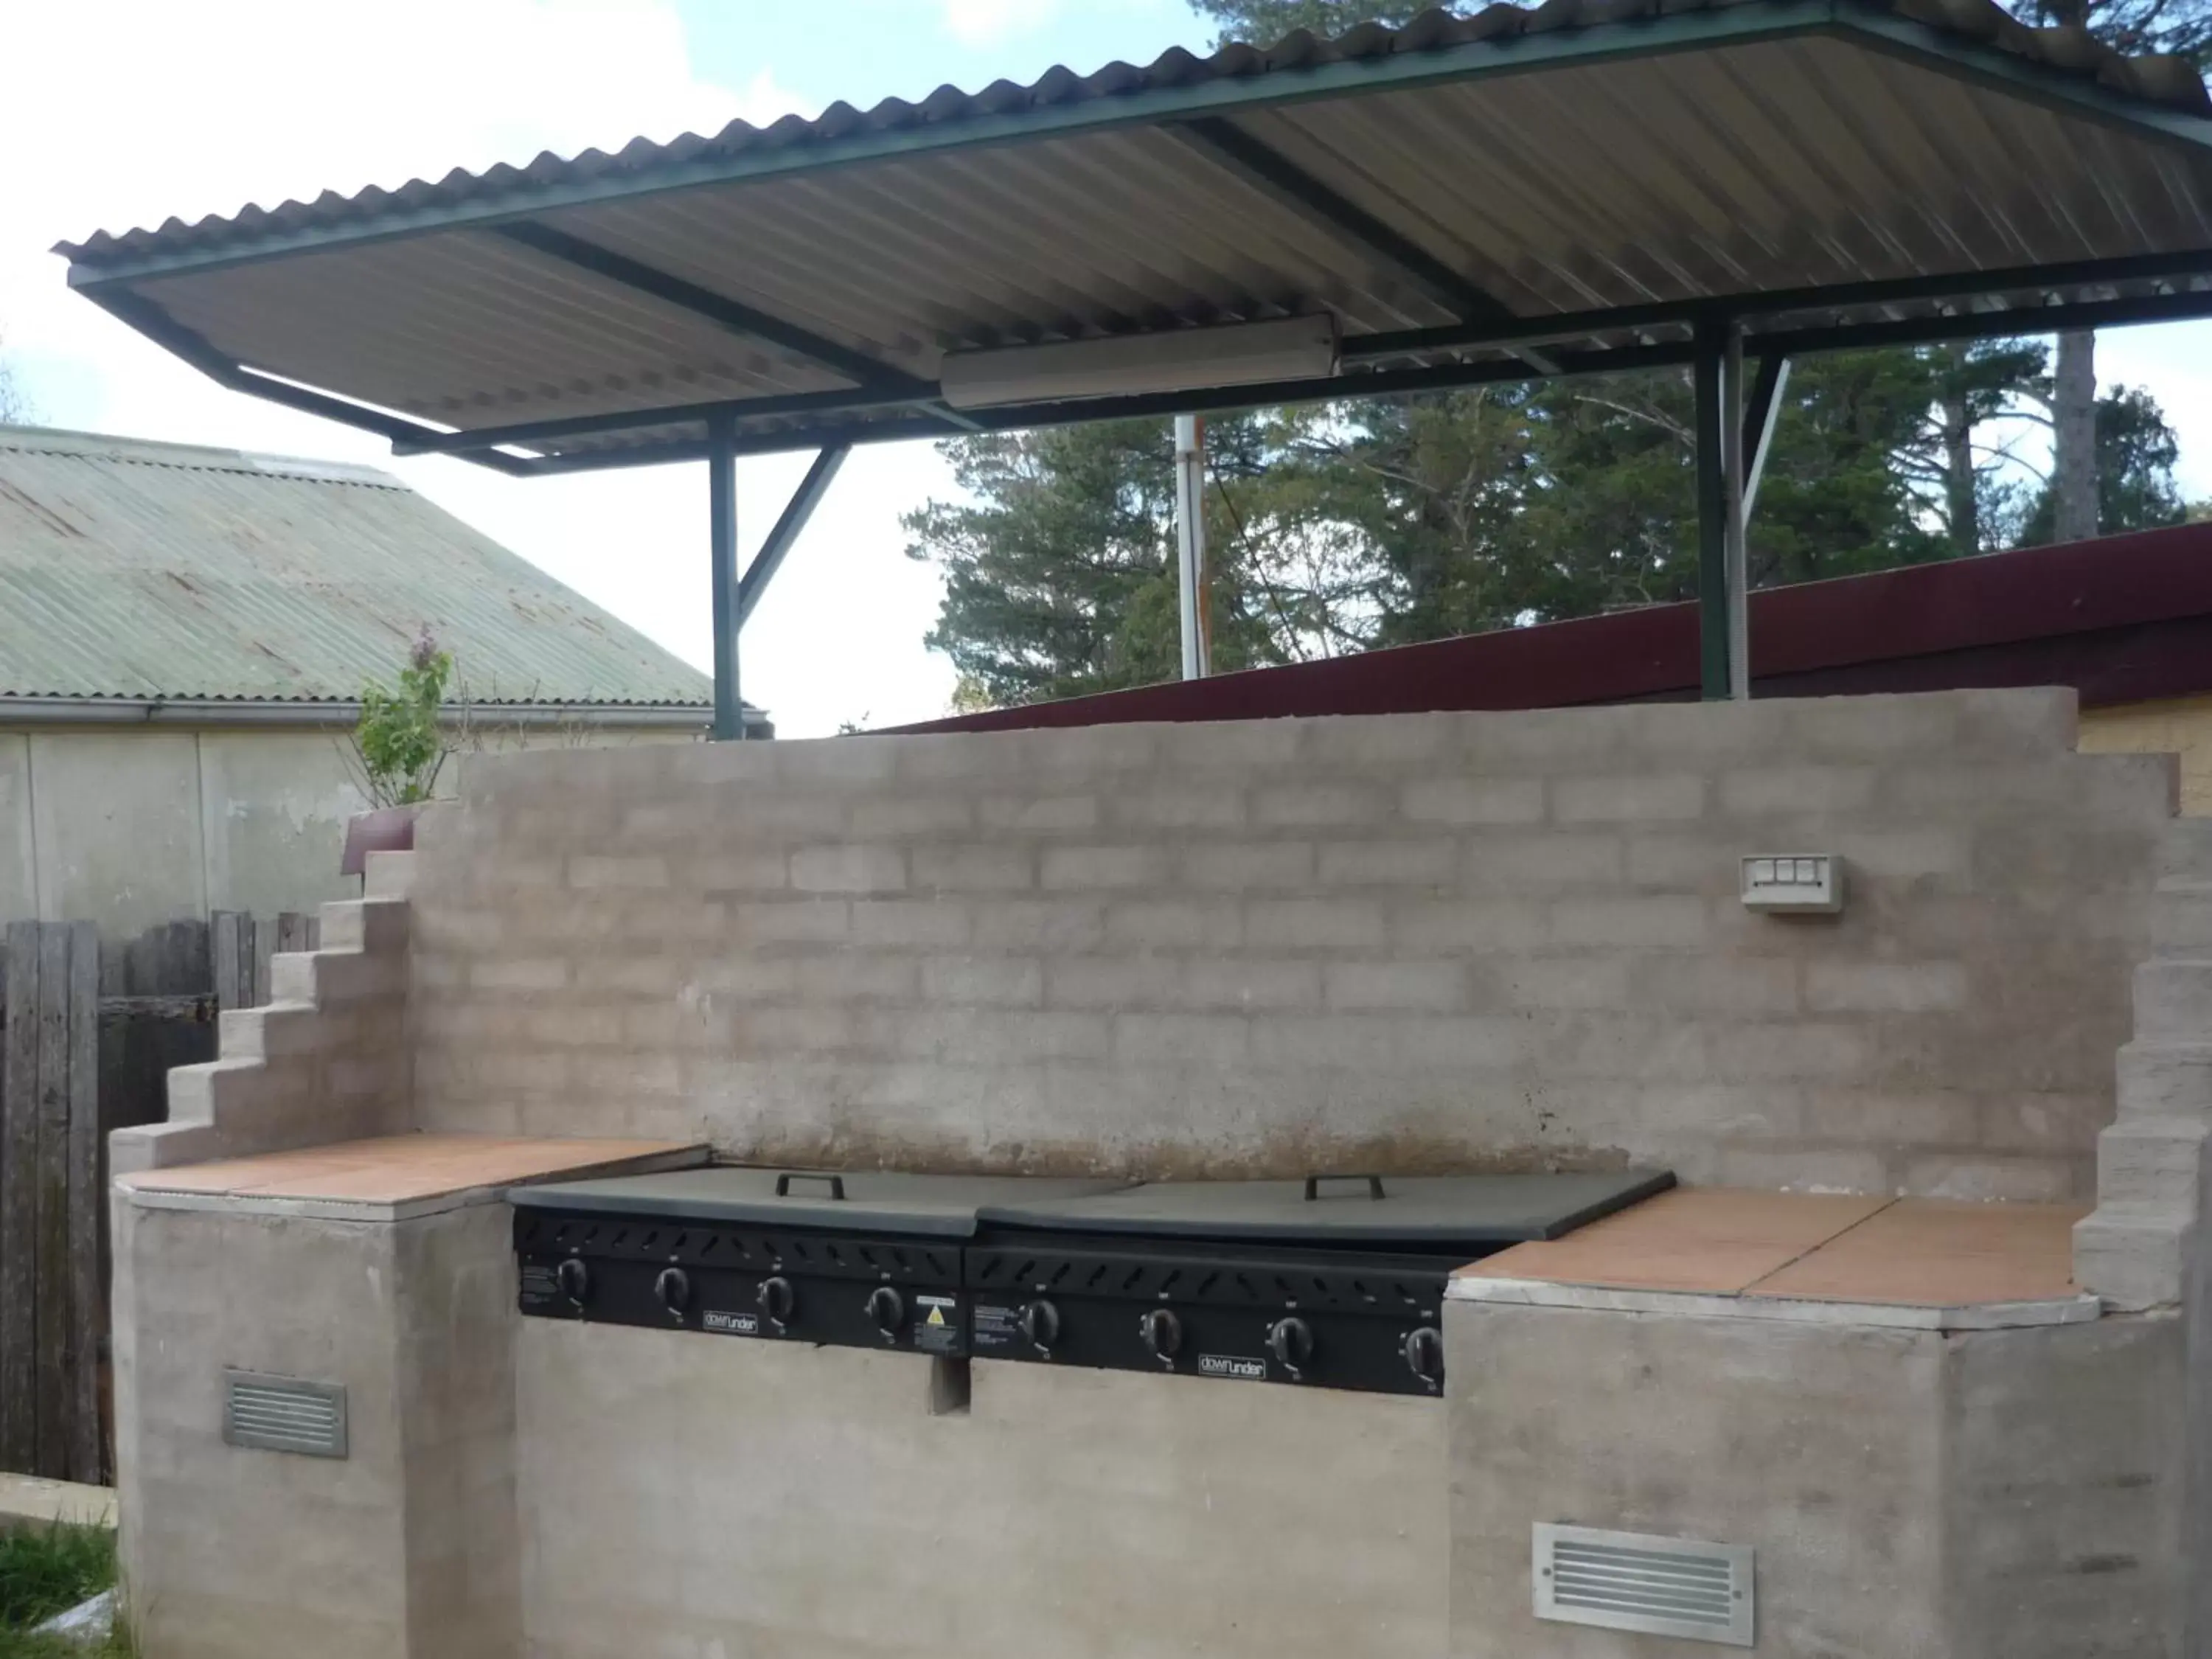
[(770, 1283), (1316, 1318)]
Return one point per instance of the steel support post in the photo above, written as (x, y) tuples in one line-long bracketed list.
[(797, 514), (1190, 544), (1734, 511), (1709, 375), (722, 514), (1759, 416)]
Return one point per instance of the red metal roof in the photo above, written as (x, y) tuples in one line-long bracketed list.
[(2122, 619)]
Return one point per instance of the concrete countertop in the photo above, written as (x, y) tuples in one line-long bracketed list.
[(1922, 1262), (396, 1177)]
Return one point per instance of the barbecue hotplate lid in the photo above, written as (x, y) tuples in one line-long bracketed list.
[(861, 1201), (1409, 1210)]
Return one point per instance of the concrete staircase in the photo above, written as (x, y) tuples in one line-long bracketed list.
[(2155, 1163), (324, 1060)]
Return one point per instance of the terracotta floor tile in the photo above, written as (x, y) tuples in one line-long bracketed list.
[(1717, 1240), (1941, 1253), (397, 1169)]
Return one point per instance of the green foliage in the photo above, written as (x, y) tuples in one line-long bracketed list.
[(2136, 455), (1262, 22), (400, 739), (2181, 27), (1336, 528), (45, 1572)]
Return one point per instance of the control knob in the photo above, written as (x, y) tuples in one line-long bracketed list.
[(1424, 1353), (574, 1279), (776, 1299), (1292, 1342), (673, 1287), (1161, 1333), (887, 1307), (1039, 1323)]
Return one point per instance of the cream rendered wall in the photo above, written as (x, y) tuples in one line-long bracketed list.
[(2182, 727), (115, 827), (130, 828), (18, 874)]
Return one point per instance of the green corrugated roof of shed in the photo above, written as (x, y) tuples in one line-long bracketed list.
[(137, 569)]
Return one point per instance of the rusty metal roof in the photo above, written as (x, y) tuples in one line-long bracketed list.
[(149, 570), (1589, 177)]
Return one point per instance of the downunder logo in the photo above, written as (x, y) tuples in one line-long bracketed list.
[(1230, 1365)]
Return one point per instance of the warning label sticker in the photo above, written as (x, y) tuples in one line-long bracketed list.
[(937, 1329), (730, 1324)]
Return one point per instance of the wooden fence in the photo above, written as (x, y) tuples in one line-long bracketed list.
[(88, 1031)]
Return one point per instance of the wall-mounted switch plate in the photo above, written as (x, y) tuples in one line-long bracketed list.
[(1793, 883)]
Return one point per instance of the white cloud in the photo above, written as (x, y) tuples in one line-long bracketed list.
[(986, 22), (133, 111)]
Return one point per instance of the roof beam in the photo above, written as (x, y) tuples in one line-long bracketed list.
[(157, 325), (796, 513), (725, 312), (1276, 176), (1569, 325), (529, 434), (1995, 323), (891, 426)]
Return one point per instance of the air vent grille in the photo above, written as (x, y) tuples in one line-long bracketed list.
[(281, 1413), (1640, 1581)]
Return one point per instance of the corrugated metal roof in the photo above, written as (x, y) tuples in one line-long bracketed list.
[(2171, 82), (1584, 156), (137, 569)]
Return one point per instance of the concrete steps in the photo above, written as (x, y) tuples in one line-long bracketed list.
[(319, 1063), (2186, 853), (2173, 1000), (2181, 917), (2155, 1162)]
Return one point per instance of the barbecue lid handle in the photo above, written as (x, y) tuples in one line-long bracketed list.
[(1313, 1184), (783, 1182)]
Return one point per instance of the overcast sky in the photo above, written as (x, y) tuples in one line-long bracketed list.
[(130, 113)]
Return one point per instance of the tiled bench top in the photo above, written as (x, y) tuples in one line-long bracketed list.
[(397, 1176), (1922, 1262)]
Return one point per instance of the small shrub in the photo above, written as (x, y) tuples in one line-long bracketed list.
[(400, 741)]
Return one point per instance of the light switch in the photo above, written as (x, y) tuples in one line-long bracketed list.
[(1793, 883)]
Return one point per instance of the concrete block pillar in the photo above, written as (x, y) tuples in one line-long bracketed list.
[(405, 1548)]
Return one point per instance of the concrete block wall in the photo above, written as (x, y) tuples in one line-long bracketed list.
[(1407, 941), (1915, 1494), (2141, 1248), (325, 1060), (687, 1496), (409, 1546)]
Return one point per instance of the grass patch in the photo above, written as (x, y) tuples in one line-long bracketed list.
[(45, 1572)]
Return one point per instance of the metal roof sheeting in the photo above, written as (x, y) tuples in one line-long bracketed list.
[(146, 570), (1583, 155), (2171, 82)]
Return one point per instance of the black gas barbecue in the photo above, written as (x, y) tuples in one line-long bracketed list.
[(1334, 1282), (869, 1261)]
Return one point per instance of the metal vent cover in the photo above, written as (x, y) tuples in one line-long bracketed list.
[(1641, 1582), (282, 1413)]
